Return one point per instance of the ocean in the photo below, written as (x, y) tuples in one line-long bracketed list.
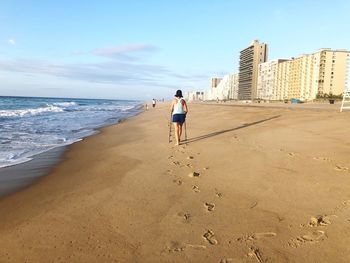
[(30, 126)]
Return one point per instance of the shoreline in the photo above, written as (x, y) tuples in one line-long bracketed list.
[(17, 177)]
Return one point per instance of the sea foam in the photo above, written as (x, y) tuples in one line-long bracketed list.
[(30, 126)]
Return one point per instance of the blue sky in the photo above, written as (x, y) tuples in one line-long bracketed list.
[(144, 49)]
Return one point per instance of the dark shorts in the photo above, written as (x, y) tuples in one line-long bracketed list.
[(179, 118)]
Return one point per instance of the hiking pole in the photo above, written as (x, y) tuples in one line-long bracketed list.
[(170, 128)]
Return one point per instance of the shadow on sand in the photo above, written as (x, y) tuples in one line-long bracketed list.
[(202, 137)]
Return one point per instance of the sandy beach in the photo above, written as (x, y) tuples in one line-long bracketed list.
[(252, 184)]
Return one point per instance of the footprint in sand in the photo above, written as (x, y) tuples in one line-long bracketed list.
[(255, 252), (344, 205), (178, 182), (324, 159), (313, 237), (290, 154), (196, 246), (209, 236), (323, 220), (175, 246), (235, 138), (181, 149), (176, 163), (341, 168), (254, 204), (218, 194), (185, 216), (190, 157), (210, 206), (256, 236), (196, 189), (189, 165)]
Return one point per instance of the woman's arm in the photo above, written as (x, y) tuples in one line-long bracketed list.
[(185, 106), (172, 107)]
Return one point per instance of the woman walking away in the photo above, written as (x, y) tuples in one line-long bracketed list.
[(179, 110)]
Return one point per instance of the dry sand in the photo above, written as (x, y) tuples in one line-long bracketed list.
[(253, 184)]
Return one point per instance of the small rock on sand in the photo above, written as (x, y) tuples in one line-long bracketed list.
[(194, 174)]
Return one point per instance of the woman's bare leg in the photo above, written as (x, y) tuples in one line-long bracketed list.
[(177, 137), (180, 130)]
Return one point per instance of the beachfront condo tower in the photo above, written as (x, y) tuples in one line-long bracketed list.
[(306, 77), (249, 60), (333, 70), (269, 75), (319, 73)]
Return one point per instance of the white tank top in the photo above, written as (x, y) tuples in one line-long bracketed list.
[(178, 107)]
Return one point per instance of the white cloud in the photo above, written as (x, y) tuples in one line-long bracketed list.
[(122, 50), (11, 41), (131, 72), (111, 72)]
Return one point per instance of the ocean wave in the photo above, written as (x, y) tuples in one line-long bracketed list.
[(14, 162), (38, 125), (106, 108), (64, 104), (31, 112)]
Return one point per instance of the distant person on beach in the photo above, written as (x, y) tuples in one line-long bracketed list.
[(178, 110), (146, 106), (153, 103)]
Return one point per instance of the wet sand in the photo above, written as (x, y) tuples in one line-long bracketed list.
[(252, 184), (16, 177)]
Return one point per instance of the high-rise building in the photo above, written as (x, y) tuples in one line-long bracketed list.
[(267, 88), (333, 71), (347, 83), (282, 84), (214, 82), (304, 77), (225, 90), (302, 83), (194, 96), (249, 60), (233, 91)]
